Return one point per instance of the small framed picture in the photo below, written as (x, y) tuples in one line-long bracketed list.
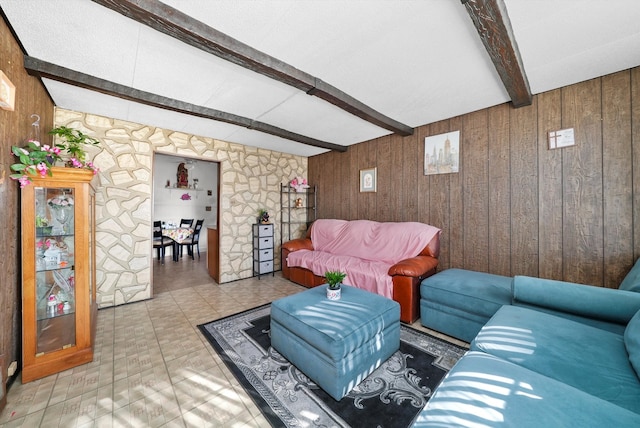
[(561, 138), (7, 93), (368, 179)]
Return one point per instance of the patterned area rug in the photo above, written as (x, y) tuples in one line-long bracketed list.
[(392, 396)]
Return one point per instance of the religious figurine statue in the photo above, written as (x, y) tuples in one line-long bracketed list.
[(183, 176)]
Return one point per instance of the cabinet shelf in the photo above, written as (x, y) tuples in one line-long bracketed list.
[(56, 314), (48, 268), (298, 208), (184, 189), (54, 235)]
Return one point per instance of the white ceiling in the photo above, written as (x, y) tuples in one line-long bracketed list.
[(415, 61)]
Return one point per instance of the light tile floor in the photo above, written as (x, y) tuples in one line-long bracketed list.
[(152, 366)]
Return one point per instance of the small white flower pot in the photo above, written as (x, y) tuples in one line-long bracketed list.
[(334, 294)]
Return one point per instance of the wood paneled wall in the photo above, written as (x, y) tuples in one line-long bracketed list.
[(15, 128), (515, 207)]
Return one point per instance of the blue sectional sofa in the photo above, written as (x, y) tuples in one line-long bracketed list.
[(559, 354)]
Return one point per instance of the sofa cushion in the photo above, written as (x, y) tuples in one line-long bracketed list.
[(632, 342), (387, 242), (474, 292), (484, 391), (585, 357), (631, 282), (368, 275), (598, 304), (605, 308)]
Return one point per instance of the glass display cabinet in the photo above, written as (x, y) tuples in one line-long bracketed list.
[(58, 273)]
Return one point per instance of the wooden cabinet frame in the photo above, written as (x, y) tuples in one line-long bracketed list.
[(81, 324)]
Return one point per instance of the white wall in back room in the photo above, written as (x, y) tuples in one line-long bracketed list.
[(170, 204)]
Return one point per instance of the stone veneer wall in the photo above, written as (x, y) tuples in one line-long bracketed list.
[(250, 179)]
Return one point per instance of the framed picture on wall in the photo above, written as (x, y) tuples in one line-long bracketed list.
[(442, 153), (7, 93), (368, 179)]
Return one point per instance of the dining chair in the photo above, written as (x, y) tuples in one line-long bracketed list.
[(160, 242), (186, 222), (193, 241)]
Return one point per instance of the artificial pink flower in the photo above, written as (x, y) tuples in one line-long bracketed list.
[(24, 181), (94, 168), (42, 168), (46, 243), (299, 184)]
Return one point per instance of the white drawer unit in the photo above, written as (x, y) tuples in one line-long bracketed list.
[(262, 249)]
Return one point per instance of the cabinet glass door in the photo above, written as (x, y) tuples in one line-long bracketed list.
[(54, 262)]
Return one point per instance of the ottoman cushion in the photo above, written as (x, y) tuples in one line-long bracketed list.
[(475, 292), (458, 302), (336, 343)]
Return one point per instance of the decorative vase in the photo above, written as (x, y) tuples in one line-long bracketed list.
[(334, 293), (61, 207)]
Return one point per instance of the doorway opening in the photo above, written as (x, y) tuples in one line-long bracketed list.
[(185, 188)]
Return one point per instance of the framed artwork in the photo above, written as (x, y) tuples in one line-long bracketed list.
[(7, 93), (368, 179), (561, 138), (442, 153)]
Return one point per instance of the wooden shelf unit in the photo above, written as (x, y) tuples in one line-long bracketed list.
[(298, 211)]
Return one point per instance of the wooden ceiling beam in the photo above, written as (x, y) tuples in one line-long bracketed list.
[(174, 23), (48, 70), (492, 23)]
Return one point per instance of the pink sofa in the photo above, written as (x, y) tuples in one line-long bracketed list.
[(390, 259)]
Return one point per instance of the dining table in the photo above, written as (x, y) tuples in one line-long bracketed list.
[(178, 235)]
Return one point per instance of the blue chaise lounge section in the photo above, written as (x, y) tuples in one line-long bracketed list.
[(559, 354)]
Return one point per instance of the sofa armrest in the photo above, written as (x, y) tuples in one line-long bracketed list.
[(415, 266), (601, 303), (298, 244)]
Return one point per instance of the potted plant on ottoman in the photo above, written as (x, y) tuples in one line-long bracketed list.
[(334, 281)]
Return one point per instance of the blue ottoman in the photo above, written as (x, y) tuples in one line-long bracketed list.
[(336, 343), (459, 302)]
